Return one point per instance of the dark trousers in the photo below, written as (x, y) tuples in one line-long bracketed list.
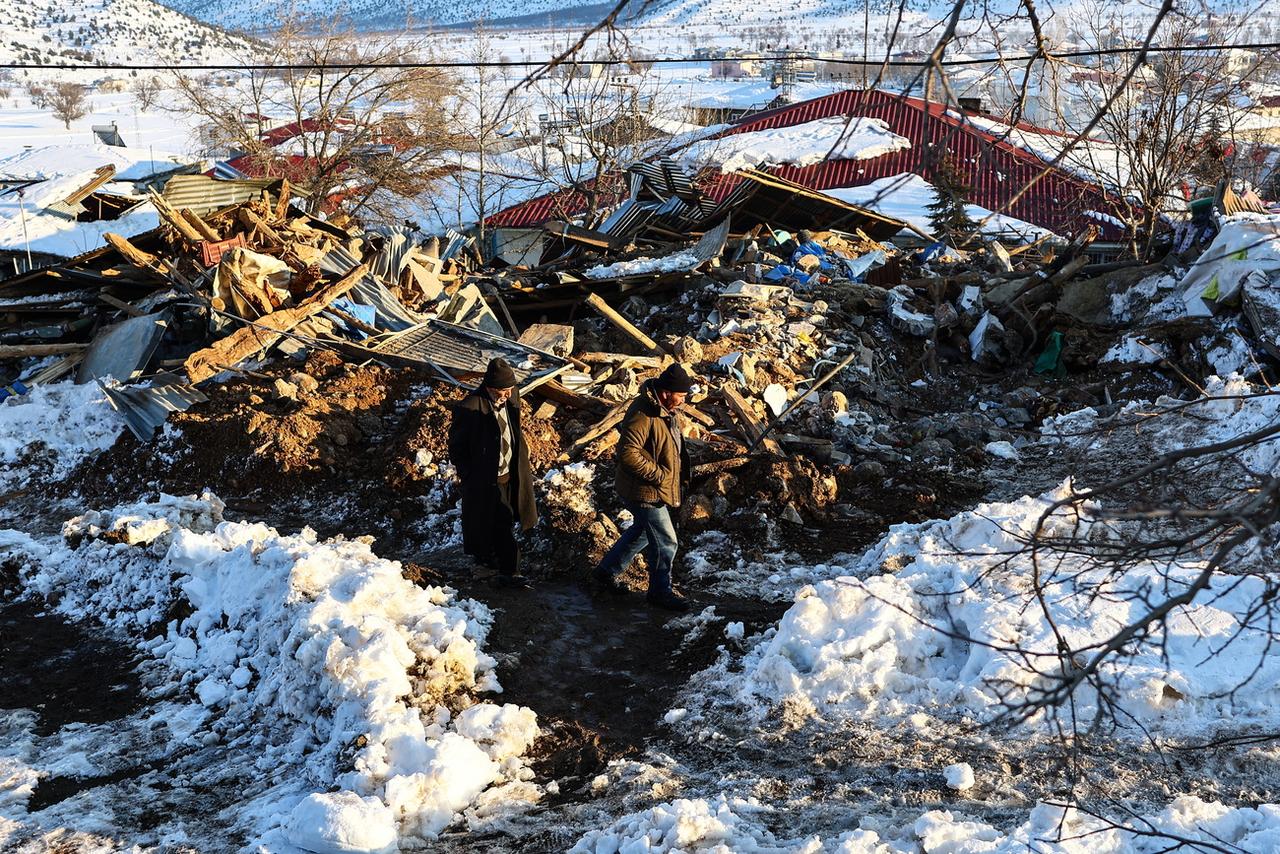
[(653, 533), (488, 525)]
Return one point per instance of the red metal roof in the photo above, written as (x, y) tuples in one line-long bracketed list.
[(996, 169)]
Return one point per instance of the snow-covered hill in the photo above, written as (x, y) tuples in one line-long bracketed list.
[(252, 15), (71, 32)]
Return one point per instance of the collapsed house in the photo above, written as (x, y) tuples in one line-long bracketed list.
[(845, 351)]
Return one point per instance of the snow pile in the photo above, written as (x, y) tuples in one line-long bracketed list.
[(725, 825), (342, 822), (65, 421), (570, 488), (73, 158), (798, 145), (689, 825), (891, 639), (959, 776), (907, 197), (1231, 407), (318, 653), (1057, 830), (675, 262)]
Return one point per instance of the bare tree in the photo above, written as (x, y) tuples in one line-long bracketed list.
[(348, 112), (68, 102), (146, 91), (598, 123), (1159, 129)]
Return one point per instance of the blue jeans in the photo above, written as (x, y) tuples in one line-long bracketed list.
[(652, 531)]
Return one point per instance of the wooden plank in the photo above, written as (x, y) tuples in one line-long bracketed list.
[(557, 392), (22, 351), (604, 425), (265, 331), (583, 236), (752, 428), (698, 415), (652, 362), (623, 324), (136, 257), (129, 309)]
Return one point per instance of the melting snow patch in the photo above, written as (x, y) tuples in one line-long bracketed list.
[(722, 825), (638, 266), (688, 825), (342, 823), (67, 421), (798, 145), (1136, 351)]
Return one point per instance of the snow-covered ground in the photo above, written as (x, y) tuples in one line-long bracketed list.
[(345, 701)]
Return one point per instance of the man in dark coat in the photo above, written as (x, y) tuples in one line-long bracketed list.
[(489, 451), (653, 467)]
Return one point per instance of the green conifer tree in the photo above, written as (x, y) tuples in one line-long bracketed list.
[(947, 212)]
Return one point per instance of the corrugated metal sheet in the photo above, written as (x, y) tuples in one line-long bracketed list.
[(390, 313), (995, 168), (202, 194), (462, 349)]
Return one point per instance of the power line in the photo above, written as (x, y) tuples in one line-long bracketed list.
[(641, 61)]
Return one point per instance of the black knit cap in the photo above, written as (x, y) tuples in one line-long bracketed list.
[(675, 378), (499, 374)]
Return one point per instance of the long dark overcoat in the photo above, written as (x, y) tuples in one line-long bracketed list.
[(473, 448)]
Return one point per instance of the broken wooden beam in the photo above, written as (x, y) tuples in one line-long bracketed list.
[(136, 257), (622, 323), (583, 236), (206, 231), (556, 391), (619, 359), (604, 425), (22, 351), (172, 217), (265, 331), (282, 205), (249, 219), (127, 308), (698, 415)]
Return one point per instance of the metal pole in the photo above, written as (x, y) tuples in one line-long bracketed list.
[(22, 207), (799, 400)]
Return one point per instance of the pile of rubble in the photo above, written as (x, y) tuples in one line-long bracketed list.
[(848, 380)]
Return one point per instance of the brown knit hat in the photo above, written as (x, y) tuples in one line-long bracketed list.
[(499, 374)]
